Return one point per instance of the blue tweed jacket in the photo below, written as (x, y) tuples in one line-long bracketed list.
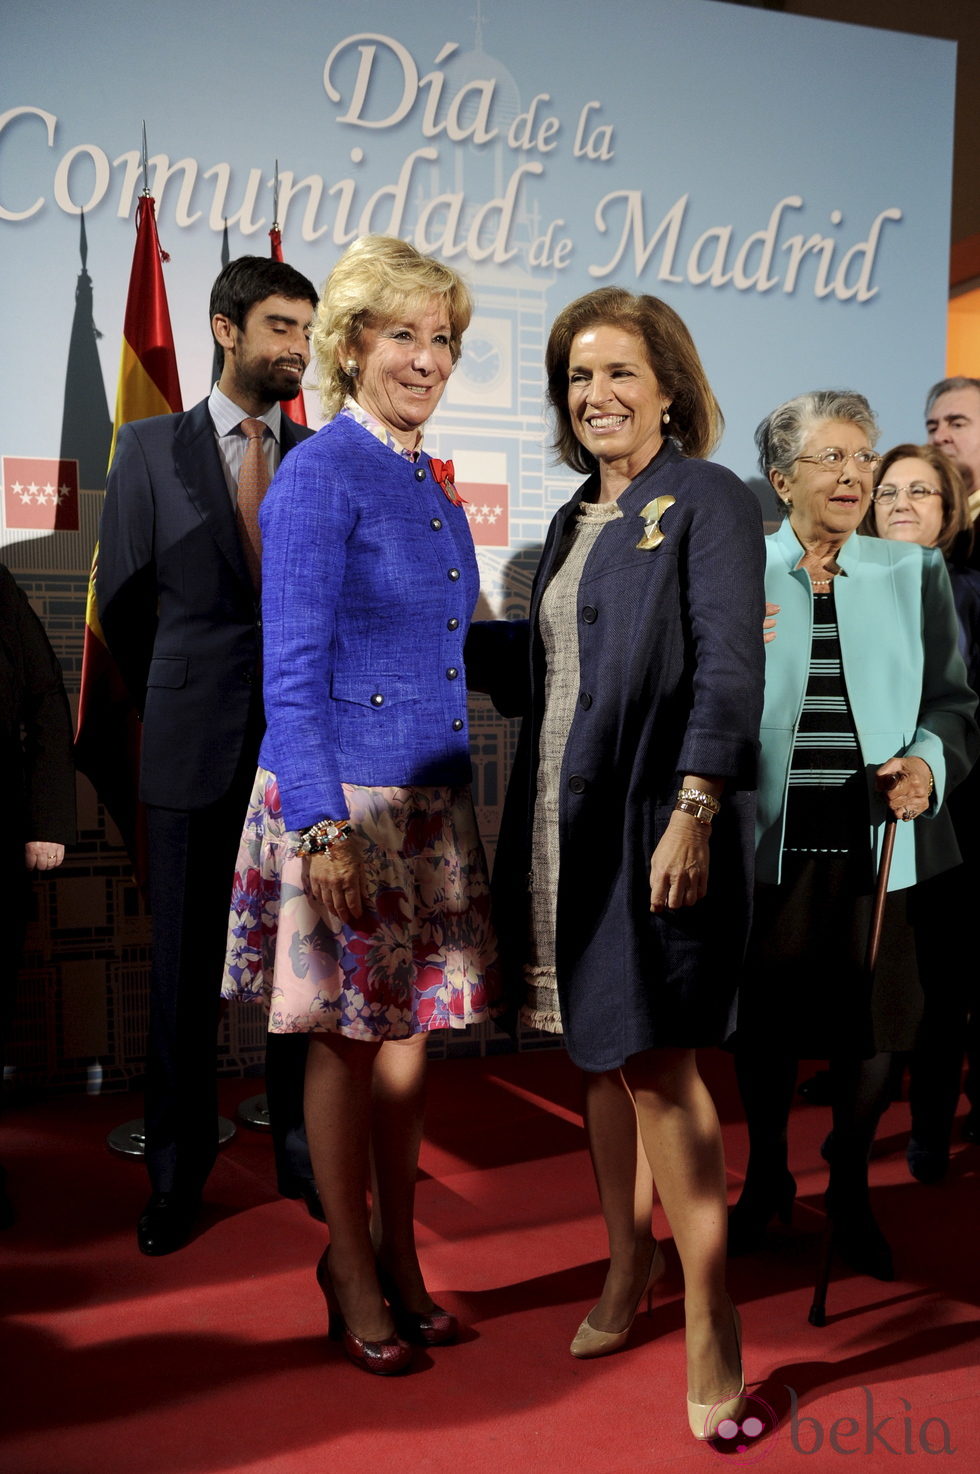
[(369, 580)]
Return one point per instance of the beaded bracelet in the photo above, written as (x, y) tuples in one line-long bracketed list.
[(319, 838), (698, 796)]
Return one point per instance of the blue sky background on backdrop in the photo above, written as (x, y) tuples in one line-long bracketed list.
[(776, 179)]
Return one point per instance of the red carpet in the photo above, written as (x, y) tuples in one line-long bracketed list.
[(215, 1359)]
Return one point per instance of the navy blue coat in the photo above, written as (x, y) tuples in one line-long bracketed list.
[(672, 673)]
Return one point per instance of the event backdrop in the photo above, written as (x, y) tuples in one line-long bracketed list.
[(783, 183)]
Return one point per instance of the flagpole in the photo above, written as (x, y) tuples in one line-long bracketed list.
[(146, 165)]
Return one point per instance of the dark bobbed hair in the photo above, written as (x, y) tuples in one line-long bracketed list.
[(696, 421), (955, 539), (379, 278), (250, 279)]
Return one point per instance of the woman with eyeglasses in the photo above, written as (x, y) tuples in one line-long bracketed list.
[(867, 712), (920, 497)]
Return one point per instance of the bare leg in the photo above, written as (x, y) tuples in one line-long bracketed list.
[(337, 1109), (625, 1186), (398, 1107), (682, 1139)]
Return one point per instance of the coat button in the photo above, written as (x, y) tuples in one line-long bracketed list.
[(451, 673), (377, 699), (458, 724), (436, 524), (420, 474), (452, 624), (585, 701), (454, 574), (576, 783), (247, 677), (589, 614)]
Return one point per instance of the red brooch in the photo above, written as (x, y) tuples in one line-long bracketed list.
[(444, 473)]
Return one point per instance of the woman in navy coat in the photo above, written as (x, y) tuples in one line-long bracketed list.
[(361, 903), (630, 808)]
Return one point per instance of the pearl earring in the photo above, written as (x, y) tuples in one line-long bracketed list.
[(352, 367), (665, 418)]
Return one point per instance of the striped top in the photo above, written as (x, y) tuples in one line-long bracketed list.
[(826, 811)]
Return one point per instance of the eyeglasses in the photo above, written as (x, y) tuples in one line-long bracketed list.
[(835, 459), (916, 491)]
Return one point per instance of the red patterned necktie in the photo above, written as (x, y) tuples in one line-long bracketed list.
[(253, 483)]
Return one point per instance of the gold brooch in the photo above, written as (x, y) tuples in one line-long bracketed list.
[(651, 514)]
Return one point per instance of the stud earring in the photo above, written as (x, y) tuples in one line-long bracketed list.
[(351, 367)]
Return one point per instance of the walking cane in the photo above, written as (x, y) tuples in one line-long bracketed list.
[(818, 1310)]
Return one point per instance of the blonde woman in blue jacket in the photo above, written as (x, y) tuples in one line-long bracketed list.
[(867, 711), (361, 902)]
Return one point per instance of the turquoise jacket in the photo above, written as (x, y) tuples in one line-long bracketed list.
[(905, 680)]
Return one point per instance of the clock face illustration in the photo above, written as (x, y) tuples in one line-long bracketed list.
[(482, 361), (483, 375)]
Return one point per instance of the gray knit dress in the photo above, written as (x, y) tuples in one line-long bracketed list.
[(558, 627)]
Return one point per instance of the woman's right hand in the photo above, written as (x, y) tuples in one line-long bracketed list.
[(769, 623), (337, 881)]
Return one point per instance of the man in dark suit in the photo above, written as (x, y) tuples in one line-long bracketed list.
[(180, 612)]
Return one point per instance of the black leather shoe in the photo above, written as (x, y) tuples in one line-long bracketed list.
[(927, 1164), (762, 1200), (305, 1188), (167, 1222)]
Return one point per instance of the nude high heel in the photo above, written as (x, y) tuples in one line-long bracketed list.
[(704, 1417), (589, 1342)]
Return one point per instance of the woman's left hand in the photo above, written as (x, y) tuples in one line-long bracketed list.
[(679, 866), (906, 784)]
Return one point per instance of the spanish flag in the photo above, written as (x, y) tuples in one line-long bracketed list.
[(107, 735)]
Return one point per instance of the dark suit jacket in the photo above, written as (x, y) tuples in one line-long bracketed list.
[(177, 607)]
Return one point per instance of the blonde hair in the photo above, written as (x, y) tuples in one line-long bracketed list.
[(377, 279)]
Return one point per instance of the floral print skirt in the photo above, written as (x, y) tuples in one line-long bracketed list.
[(425, 956)]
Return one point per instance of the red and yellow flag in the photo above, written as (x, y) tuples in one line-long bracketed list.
[(148, 383), (294, 408), (107, 735)]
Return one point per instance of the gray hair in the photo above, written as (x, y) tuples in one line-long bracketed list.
[(946, 386), (781, 436)]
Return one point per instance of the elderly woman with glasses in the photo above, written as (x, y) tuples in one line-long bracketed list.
[(920, 497), (867, 716)]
